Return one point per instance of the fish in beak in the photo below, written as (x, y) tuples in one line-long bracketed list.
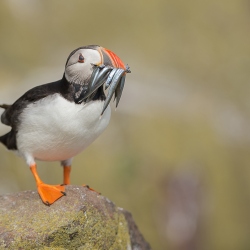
[(111, 73)]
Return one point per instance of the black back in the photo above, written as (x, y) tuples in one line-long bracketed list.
[(12, 112)]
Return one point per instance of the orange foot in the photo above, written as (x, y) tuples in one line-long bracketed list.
[(50, 193)]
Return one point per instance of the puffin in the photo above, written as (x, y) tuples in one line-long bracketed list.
[(56, 121)]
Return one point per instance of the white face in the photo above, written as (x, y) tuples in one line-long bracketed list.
[(78, 68)]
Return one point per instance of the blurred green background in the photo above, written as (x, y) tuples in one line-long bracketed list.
[(176, 152)]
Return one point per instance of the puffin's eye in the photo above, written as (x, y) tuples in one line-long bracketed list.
[(81, 58)]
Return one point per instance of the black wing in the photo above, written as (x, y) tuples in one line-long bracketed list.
[(11, 114)]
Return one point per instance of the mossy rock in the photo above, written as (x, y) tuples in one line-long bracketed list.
[(81, 220)]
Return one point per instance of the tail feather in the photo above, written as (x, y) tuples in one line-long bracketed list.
[(4, 116), (4, 106), (3, 139), (9, 140)]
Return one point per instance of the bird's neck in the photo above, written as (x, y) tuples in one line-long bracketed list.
[(76, 89)]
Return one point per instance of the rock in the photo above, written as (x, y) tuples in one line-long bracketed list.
[(81, 220)]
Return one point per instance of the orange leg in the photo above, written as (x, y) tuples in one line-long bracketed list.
[(66, 175), (48, 193)]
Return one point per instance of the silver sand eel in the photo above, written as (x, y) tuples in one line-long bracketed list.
[(113, 78)]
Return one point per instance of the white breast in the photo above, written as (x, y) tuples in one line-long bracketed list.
[(54, 129)]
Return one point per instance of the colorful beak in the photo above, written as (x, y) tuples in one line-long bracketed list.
[(111, 59)]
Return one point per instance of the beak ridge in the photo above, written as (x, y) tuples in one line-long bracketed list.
[(110, 57)]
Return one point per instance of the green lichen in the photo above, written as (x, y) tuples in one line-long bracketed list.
[(85, 229)]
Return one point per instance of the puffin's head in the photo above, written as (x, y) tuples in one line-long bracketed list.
[(79, 65), (92, 66)]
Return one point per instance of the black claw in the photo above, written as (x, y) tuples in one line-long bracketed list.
[(63, 193), (47, 203)]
